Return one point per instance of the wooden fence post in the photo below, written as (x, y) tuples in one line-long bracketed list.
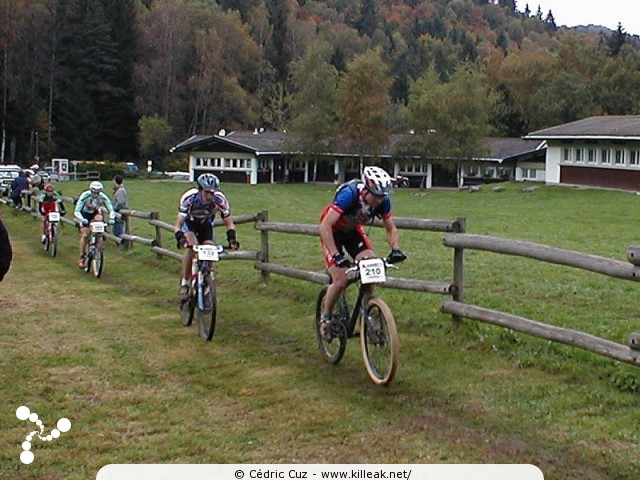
[(263, 216), (458, 270), (156, 216), (127, 229)]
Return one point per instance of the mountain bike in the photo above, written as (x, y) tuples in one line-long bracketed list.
[(94, 258), (378, 332), (51, 233), (202, 290)]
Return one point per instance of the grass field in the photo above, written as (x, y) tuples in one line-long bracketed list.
[(112, 356)]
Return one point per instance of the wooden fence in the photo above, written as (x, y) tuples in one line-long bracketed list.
[(630, 271), (455, 237)]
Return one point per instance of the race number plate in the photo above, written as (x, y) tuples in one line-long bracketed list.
[(372, 270), (54, 217), (208, 252), (97, 227)]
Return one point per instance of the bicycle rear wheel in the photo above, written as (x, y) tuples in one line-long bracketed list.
[(334, 345), (207, 315), (379, 340)]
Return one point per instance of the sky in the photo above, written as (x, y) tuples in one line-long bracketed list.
[(607, 13)]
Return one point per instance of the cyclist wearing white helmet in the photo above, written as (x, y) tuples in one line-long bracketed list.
[(194, 225), (88, 209), (355, 203)]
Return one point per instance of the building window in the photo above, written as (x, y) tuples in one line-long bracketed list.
[(592, 155), (634, 158), (566, 154), (529, 173), (578, 155), (619, 157), (605, 156)]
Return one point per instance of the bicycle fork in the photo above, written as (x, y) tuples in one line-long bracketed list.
[(202, 272)]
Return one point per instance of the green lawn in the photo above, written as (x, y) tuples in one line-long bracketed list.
[(112, 356)]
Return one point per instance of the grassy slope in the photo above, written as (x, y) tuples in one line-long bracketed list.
[(111, 355)]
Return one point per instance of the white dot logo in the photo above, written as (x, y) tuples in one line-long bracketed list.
[(23, 413)]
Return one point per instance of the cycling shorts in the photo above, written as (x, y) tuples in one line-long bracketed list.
[(353, 241), (203, 231)]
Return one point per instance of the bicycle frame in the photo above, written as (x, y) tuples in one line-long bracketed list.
[(51, 221), (95, 248), (365, 293), (201, 266), (96, 234)]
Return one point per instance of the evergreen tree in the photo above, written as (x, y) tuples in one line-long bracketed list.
[(550, 23), (101, 68), (616, 41), (279, 57), (368, 20)]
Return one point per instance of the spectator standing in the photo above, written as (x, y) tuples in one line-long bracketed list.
[(120, 201), (17, 186), (6, 253)]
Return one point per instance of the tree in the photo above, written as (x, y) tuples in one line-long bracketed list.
[(279, 56), (155, 134), (364, 102), (451, 119), (616, 41), (313, 103), (367, 22)]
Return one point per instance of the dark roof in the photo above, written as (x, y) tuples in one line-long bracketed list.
[(503, 148), (603, 127), (271, 142), (257, 142)]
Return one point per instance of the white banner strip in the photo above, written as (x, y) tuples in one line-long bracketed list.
[(320, 472)]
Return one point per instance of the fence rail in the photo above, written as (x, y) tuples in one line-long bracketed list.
[(594, 263), (542, 330)]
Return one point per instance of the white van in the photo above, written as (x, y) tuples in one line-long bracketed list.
[(8, 173)]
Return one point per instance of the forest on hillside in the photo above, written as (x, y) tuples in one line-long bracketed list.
[(127, 79)]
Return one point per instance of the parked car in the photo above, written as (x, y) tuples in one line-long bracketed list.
[(51, 173), (8, 173)]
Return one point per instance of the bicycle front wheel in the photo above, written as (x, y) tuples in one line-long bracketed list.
[(334, 342), (379, 340), (98, 259), (53, 241), (207, 308), (187, 308), (88, 260)]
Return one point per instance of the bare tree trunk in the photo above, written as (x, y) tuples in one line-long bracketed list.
[(52, 67)]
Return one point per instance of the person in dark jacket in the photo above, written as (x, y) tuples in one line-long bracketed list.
[(6, 253), (17, 186)]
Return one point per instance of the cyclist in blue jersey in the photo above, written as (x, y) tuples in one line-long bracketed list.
[(88, 209), (194, 225), (355, 203)]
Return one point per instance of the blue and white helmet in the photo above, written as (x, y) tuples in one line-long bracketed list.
[(376, 180), (208, 182), (96, 186)]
